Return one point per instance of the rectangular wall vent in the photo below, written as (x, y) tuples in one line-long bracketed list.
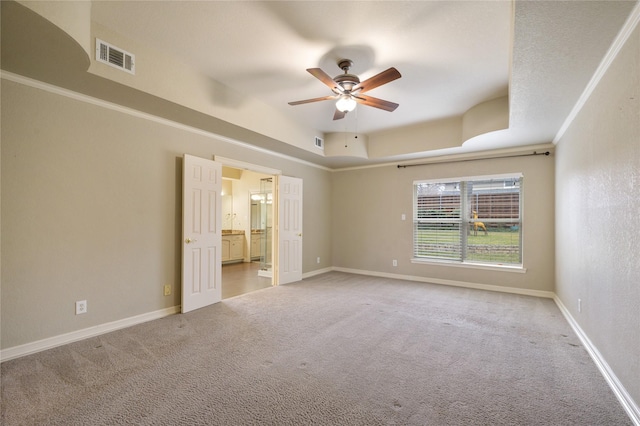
[(319, 143), (114, 56)]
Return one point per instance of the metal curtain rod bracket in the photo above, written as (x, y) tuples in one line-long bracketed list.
[(404, 166)]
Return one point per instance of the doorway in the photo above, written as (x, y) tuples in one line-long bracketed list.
[(208, 244), (247, 230)]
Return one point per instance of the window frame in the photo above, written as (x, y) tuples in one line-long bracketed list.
[(465, 224)]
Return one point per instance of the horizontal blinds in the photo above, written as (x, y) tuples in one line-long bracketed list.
[(494, 217), (496, 201), (436, 232), (475, 220)]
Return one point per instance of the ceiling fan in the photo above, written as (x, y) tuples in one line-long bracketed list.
[(348, 89)]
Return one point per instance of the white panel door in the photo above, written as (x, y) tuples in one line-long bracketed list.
[(201, 234), (289, 265)]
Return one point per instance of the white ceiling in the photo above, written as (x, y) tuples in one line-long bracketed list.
[(263, 49), (452, 54)]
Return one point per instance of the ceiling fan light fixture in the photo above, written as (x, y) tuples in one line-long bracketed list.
[(346, 103)]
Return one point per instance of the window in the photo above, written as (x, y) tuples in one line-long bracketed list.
[(470, 220)]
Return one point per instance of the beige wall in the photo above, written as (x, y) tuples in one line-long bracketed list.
[(368, 232), (91, 209), (74, 17), (597, 217)]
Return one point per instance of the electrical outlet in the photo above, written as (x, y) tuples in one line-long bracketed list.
[(579, 305), (167, 289), (81, 307), (395, 262), (318, 260)]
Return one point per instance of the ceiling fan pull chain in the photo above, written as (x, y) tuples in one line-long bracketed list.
[(346, 140), (356, 137)]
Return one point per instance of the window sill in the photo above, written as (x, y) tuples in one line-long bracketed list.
[(470, 265)]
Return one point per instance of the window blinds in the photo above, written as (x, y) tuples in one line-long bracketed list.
[(474, 220)]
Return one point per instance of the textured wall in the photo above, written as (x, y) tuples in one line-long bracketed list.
[(597, 221), (91, 209)]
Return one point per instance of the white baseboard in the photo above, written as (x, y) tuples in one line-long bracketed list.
[(629, 405), (477, 286), (317, 272), (74, 336)]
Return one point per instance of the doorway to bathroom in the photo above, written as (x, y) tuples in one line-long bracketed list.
[(247, 231), (218, 232)]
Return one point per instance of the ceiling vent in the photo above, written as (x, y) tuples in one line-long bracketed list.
[(319, 143), (114, 56)]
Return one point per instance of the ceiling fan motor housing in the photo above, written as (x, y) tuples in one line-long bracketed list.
[(347, 81)]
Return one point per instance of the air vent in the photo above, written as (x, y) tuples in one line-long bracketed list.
[(319, 143), (114, 56)]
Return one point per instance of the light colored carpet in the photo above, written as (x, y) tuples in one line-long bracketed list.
[(336, 349)]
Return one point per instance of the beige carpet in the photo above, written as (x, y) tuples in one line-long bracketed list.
[(336, 349)]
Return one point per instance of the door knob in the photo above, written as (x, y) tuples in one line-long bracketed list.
[(300, 235), (189, 240)]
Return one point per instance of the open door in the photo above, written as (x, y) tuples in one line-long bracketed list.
[(288, 267), (201, 233)]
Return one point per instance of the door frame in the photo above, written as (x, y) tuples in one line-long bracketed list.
[(229, 162)]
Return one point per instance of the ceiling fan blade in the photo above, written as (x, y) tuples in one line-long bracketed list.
[(307, 101), (339, 114), (375, 102), (324, 77), (377, 80)]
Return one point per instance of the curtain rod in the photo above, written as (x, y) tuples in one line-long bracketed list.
[(404, 166)]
